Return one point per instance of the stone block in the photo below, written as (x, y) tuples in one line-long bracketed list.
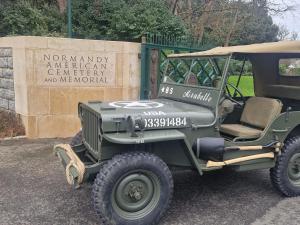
[(38, 100), (6, 73), (14, 42), (6, 83), (131, 71), (131, 47), (30, 68), (3, 62), (21, 99), (29, 123), (67, 44), (7, 94), (5, 52), (6, 62), (9, 62), (32, 127), (11, 105), (23, 42), (109, 46), (4, 103), (114, 94), (119, 69), (35, 42), (133, 93), (65, 100), (52, 126)]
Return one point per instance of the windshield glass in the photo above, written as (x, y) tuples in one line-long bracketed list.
[(202, 72)]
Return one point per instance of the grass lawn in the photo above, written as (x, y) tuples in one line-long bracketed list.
[(246, 85)]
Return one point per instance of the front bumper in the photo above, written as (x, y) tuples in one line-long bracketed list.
[(74, 167)]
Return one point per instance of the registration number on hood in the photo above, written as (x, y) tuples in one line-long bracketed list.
[(165, 122)]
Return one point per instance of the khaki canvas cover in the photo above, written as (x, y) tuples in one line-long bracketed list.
[(271, 47), (258, 113)]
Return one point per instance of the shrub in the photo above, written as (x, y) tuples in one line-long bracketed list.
[(10, 124)]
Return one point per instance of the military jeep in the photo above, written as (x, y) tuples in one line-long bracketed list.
[(228, 107)]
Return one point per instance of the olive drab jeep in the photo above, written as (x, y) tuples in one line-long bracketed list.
[(236, 107)]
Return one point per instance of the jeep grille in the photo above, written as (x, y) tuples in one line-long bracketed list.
[(91, 129)]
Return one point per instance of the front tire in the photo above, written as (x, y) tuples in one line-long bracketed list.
[(133, 189), (285, 176)]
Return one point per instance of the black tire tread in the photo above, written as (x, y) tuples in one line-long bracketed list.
[(116, 161), (275, 172)]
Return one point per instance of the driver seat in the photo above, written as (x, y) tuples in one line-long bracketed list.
[(258, 113)]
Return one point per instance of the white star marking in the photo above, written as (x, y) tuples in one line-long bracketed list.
[(136, 104)]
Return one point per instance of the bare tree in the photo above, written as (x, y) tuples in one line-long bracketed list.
[(62, 5), (280, 6), (203, 19), (232, 27), (294, 36), (190, 13), (283, 33), (220, 19), (174, 6)]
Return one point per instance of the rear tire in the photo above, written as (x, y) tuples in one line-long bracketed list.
[(285, 176), (133, 189), (76, 140)]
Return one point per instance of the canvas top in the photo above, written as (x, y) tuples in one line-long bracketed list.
[(271, 47)]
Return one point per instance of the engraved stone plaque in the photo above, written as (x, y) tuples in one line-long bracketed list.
[(70, 68)]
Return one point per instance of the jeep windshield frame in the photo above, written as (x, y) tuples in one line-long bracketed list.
[(194, 71), (198, 80)]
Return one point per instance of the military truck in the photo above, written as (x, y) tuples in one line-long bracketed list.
[(228, 107)]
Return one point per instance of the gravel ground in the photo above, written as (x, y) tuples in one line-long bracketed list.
[(33, 190)]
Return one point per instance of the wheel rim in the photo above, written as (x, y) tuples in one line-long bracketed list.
[(294, 169), (136, 194)]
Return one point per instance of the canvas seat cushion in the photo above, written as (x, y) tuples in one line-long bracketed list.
[(239, 130), (258, 113)]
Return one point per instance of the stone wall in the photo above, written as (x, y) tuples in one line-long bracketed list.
[(51, 75), (7, 94)]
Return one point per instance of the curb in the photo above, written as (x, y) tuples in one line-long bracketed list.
[(12, 138)]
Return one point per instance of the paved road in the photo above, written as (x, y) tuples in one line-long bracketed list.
[(33, 191)]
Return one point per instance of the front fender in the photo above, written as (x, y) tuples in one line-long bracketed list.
[(154, 136), (144, 137)]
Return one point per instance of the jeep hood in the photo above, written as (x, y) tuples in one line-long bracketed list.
[(155, 114)]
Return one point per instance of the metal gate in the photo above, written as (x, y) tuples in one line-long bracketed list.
[(155, 49)]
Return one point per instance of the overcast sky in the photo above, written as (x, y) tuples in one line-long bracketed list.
[(291, 20)]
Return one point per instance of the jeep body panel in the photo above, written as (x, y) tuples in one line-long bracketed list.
[(115, 114), (197, 122), (170, 129), (145, 137), (170, 125)]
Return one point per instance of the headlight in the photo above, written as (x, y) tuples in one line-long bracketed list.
[(134, 124)]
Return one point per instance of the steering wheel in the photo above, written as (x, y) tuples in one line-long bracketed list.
[(228, 96)]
